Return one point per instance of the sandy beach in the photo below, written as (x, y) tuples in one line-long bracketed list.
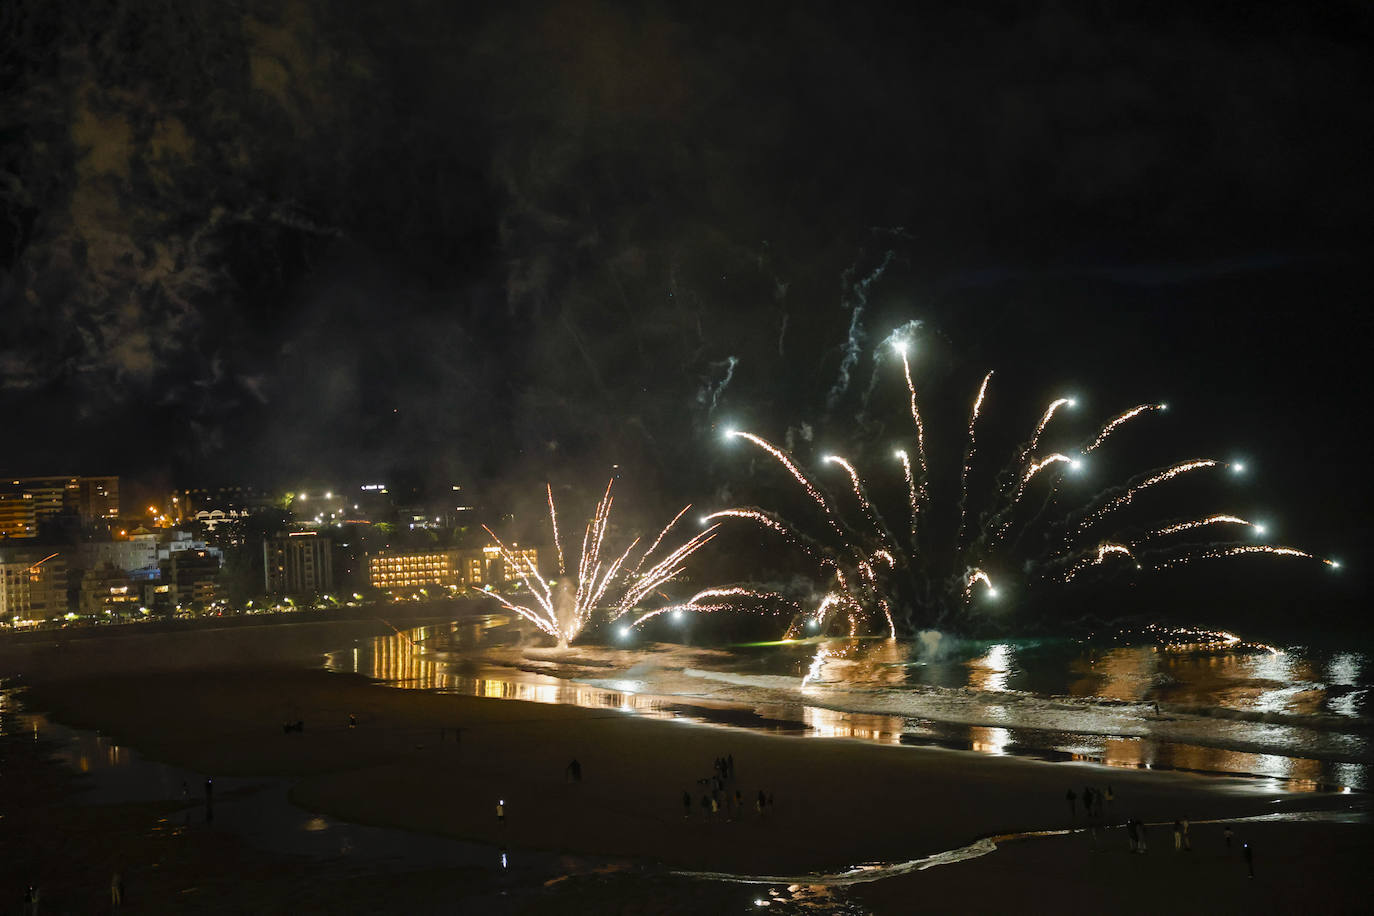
[(439, 764)]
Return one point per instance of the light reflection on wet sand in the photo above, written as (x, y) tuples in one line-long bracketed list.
[(1258, 683)]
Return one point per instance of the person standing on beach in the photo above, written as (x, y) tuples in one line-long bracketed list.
[(1131, 834), (1226, 834), (501, 812), (1249, 858), (1178, 835), (1187, 842), (116, 891)]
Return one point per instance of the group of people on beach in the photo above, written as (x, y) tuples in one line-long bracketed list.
[(1096, 803), (1097, 806), (724, 793)]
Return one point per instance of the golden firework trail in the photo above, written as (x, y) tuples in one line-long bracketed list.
[(752, 515), (1045, 419), (553, 523), (925, 580), (971, 450), (1202, 523), (977, 575), (1035, 468), (658, 540), (1127, 497), (1104, 550), (921, 483), (781, 457), (712, 599), (601, 581), (911, 492), (1236, 550), (859, 494), (1116, 421)]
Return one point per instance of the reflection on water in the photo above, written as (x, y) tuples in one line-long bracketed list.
[(827, 723), (991, 672), (1121, 673), (1277, 715), (401, 661), (993, 741)]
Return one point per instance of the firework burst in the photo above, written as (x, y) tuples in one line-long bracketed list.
[(605, 582), (875, 578)]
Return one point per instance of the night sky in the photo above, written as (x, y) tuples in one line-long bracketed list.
[(275, 243)]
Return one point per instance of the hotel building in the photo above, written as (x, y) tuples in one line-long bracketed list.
[(473, 568), (299, 563)]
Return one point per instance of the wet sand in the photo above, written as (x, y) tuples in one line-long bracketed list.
[(837, 803)]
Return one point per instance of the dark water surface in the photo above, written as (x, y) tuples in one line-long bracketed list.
[(1295, 718)]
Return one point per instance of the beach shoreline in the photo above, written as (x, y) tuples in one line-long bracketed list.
[(439, 764)]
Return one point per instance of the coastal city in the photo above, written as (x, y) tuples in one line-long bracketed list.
[(785, 458), (73, 554)]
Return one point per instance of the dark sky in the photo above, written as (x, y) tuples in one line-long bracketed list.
[(276, 242)]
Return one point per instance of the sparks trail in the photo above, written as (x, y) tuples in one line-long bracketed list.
[(553, 525), (970, 450), (603, 585), (868, 579)]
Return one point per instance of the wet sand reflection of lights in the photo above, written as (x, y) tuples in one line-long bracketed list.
[(852, 672)]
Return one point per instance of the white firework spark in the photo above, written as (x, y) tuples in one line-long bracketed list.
[(562, 610), (872, 578)]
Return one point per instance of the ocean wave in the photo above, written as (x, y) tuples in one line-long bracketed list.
[(766, 681)]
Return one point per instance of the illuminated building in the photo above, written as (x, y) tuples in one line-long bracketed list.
[(414, 570), (33, 583), (213, 518), (216, 506), (52, 496), (91, 499), (18, 519), (108, 590), (473, 568), (526, 560), (300, 563), (171, 542)]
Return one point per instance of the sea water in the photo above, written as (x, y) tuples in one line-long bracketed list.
[(1293, 714)]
